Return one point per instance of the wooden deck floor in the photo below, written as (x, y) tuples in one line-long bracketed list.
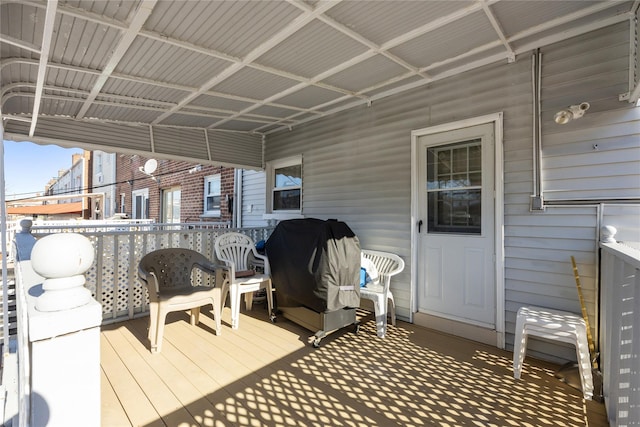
[(267, 374)]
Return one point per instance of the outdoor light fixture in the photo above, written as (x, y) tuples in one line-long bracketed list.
[(572, 112)]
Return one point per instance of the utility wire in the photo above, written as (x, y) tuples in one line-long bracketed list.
[(82, 190)]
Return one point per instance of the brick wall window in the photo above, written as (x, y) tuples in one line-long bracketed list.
[(212, 195)]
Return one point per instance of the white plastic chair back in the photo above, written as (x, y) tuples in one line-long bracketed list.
[(386, 265)]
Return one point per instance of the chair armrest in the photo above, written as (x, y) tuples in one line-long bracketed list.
[(142, 275), (215, 270), (150, 282), (265, 260)]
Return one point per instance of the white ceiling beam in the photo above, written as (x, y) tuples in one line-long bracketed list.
[(47, 32), (469, 53), (82, 14), (374, 48), (390, 81), (511, 56), (576, 31), (138, 20), (433, 25), (294, 26), (205, 111), (19, 43), (33, 62), (290, 121), (189, 46), (313, 81), (565, 19), (36, 139), (234, 60)]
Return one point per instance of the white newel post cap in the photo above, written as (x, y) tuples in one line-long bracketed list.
[(62, 259), (607, 234)]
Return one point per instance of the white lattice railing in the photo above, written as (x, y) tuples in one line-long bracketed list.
[(620, 330), (60, 226), (113, 277)]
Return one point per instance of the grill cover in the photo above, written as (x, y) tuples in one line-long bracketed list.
[(315, 263)]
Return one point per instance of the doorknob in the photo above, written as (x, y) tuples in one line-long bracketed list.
[(419, 226)]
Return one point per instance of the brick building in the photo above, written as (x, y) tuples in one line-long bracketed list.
[(174, 191)]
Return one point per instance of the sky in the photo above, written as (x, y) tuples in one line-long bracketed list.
[(28, 167)]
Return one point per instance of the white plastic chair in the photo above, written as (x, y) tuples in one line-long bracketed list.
[(378, 289), (239, 253)]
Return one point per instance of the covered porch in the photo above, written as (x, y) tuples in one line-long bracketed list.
[(266, 374), (341, 86)]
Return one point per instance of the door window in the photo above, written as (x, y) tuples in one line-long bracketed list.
[(454, 188)]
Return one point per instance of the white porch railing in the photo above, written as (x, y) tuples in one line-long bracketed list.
[(620, 329), (113, 277), (69, 225)]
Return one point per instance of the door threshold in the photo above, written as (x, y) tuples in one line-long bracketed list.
[(457, 328)]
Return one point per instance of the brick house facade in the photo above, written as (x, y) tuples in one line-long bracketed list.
[(171, 175)]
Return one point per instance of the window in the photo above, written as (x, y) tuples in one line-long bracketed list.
[(140, 199), (212, 194), (454, 188), (98, 162), (171, 205), (285, 183)]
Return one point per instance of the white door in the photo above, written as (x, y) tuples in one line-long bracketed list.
[(456, 232)]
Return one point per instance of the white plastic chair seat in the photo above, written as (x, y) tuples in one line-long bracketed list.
[(553, 325), (378, 290)]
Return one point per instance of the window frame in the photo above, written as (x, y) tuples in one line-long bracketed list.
[(213, 212), (271, 189), (169, 218), (143, 193)]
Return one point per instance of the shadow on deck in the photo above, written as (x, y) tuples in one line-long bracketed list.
[(266, 374)]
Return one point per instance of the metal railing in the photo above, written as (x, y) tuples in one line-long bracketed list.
[(620, 331)]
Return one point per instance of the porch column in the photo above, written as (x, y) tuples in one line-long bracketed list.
[(64, 334)]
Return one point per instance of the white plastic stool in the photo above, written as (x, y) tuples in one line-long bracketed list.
[(553, 325)]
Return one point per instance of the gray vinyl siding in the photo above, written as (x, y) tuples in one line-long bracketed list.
[(597, 156), (357, 168), (253, 198)]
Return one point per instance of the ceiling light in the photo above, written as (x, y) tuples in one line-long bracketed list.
[(572, 112)]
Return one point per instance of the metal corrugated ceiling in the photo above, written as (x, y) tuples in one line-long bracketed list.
[(256, 66)]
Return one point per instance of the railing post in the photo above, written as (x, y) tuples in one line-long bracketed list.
[(64, 334), (620, 328)]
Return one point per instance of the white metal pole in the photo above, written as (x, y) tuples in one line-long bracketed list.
[(3, 241)]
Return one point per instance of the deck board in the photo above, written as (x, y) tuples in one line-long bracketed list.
[(112, 412), (158, 385), (266, 374), (133, 399)]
